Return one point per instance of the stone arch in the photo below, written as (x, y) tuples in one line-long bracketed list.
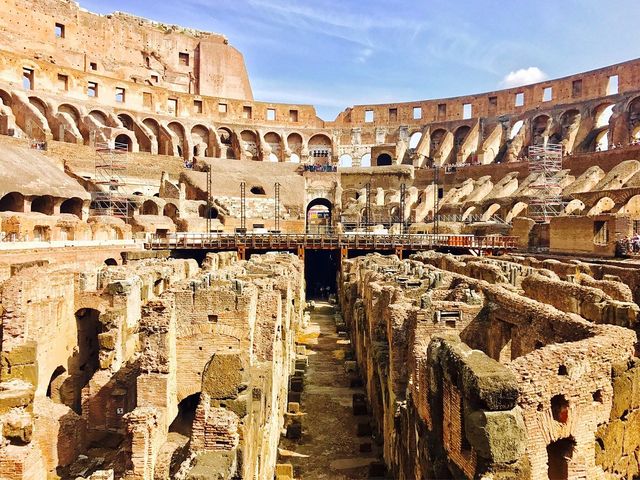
[(436, 140), (127, 121), (6, 98), (320, 146), (170, 210), (12, 202), (603, 205), (365, 161), (274, 141), (149, 207), (43, 204), (227, 138), (100, 117), (559, 456), (295, 143), (346, 160), (72, 206), (179, 131), (111, 262), (414, 140), (201, 141), (70, 110), (183, 422), (40, 104), (634, 119), (539, 129), (320, 223), (153, 127), (124, 142), (249, 143), (459, 137)]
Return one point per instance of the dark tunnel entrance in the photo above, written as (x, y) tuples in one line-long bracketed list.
[(320, 270)]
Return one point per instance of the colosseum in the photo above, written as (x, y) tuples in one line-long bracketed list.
[(198, 285)]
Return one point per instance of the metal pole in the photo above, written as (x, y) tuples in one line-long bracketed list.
[(243, 207), (277, 208), (403, 193), (368, 207), (208, 212)]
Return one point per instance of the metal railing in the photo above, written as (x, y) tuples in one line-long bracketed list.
[(357, 241)]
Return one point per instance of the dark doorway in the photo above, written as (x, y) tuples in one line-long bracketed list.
[(319, 216), (320, 270), (560, 453), (86, 361), (183, 422), (384, 160)]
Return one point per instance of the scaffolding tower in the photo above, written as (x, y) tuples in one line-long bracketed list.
[(110, 199), (545, 162)]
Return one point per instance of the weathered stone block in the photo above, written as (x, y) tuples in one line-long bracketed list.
[(496, 436), (224, 376)]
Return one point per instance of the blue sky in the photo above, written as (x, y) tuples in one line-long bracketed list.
[(337, 53)]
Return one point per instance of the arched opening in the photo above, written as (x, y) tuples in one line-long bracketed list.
[(178, 131), (515, 129), (257, 190), (295, 158), (319, 213), (459, 138), (99, 117), (111, 262), (171, 211), (600, 133), (275, 143), (634, 120), (123, 142), (153, 127), (211, 212), (70, 110), (39, 104), (149, 207), (294, 142), (183, 423), (226, 143), (567, 120), (12, 202), (72, 206), (539, 129), (86, 360), (126, 120), (559, 454), (5, 98), (560, 408), (384, 160), (200, 138), (414, 140), (346, 160), (54, 389), (320, 148), (249, 143), (437, 137), (365, 161), (43, 204)]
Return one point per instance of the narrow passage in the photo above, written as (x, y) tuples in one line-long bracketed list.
[(335, 443)]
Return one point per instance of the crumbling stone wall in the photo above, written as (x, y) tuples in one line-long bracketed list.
[(106, 355), (517, 388)]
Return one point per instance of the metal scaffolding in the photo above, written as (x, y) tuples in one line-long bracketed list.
[(276, 226), (110, 164), (545, 161)]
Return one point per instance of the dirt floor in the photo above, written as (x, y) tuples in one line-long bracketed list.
[(329, 447)]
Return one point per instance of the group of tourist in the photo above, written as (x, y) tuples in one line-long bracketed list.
[(316, 167), (629, 245)]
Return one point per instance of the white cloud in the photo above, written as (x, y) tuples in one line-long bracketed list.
[(524, 76), (364, 55)]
